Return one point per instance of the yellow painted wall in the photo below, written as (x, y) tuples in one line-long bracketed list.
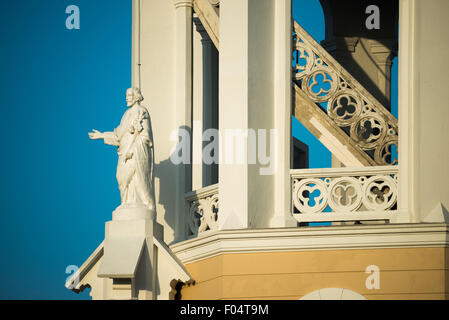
[(410, 273)]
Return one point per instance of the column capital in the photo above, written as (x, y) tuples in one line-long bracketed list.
[(183, 3), (341, 44), (383, 52)]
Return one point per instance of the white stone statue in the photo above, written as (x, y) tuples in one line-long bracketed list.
[(133, 137)]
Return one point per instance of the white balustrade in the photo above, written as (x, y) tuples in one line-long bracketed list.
[(202, 210), (344, 194)]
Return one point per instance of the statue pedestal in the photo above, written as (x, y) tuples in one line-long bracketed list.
[(129, 253), (130, 256), (133, 212), (136, 262)]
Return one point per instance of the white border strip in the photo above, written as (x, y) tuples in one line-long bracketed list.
[(312, 238)]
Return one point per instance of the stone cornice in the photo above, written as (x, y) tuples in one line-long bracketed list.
[(211, 244)]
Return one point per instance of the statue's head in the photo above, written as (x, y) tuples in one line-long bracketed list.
[(133, 96)]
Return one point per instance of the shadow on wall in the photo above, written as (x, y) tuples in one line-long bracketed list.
[(166, 172)]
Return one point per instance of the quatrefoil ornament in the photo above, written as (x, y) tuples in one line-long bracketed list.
[(303, 54), (369, 131), (312, 82), (345, 108), (380, 193), (310, 195), (345, 194)]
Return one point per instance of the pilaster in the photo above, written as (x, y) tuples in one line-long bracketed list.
[(183, 102)]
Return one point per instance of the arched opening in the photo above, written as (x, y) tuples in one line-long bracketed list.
[(333, 294)]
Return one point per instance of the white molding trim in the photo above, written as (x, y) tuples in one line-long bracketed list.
[(339, 172), (202, 193), (312, 238), (346, 216)]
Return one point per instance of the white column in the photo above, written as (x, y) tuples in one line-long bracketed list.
[(233, 113), (405, 88), (247, 197), (426, 154), (282, 115), (183, 102)]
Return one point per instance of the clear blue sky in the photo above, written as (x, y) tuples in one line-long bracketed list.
[(58, 188)]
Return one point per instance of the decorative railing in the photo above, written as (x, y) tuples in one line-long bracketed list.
[(202, 210), (344, 194), (365, 120)]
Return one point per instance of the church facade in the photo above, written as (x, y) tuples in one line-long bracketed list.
[(238, 215)]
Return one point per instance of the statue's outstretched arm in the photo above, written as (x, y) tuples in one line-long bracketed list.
[(111, 138), (108, 137)]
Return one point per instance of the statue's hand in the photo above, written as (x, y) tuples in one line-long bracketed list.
[(95, 135)]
